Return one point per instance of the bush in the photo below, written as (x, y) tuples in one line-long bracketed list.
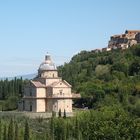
[(10, 103)]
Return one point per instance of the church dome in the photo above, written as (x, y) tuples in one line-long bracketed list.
[(47, 64)]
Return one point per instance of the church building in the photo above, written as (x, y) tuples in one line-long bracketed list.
[(47, 92)]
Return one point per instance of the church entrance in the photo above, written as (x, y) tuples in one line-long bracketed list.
[(30, 107)]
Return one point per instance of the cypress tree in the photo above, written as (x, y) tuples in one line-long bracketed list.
[(67, 130), (26, 131), (5, 133), (16, 132), (0, 129), (64, 114), (52, 128), (10, 130), (59, 113), (64, 130), (77, 129)]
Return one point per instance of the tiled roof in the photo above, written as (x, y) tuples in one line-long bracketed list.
[(40, 85), (37, 84), (133, 31)]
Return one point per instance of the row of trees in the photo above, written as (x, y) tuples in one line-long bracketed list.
[(10, 92), (108, 123), (11, 131), (10, 88)]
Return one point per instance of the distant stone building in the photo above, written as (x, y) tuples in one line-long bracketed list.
[(104, 49), (97, 50), (47, 92), (123, 41), (137, 37), (130, 34)]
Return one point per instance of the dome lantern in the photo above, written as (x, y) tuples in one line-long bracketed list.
[(47, 64)]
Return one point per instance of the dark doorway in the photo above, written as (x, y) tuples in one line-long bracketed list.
[(23, 105), (30, 107)]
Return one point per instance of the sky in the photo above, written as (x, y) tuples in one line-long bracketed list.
[(31, 28)]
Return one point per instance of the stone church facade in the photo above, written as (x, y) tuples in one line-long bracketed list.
[(47, 92)]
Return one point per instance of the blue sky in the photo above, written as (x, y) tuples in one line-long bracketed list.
[(30, 28)]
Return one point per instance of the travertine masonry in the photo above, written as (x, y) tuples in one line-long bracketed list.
[(47, 92)]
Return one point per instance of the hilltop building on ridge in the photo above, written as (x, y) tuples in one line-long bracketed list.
[(122, 41)]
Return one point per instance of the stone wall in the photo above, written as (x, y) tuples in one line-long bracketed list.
[(31, 115)]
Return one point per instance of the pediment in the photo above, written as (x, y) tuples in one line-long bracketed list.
[(62, 84)]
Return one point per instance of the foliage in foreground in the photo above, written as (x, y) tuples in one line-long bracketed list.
[(108, 123)]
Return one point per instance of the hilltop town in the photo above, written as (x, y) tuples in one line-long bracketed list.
[(122, 41)]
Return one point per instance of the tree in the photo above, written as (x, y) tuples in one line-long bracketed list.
[(26, 131), (59, 113), (101, 71), (52, 128), (10, 103), (16, 132), (0, 129), (64, 114), (77, 130), (10, 130), (135, 67), (5, 133)]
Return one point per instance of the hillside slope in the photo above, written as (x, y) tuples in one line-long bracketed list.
[(105, 78)]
